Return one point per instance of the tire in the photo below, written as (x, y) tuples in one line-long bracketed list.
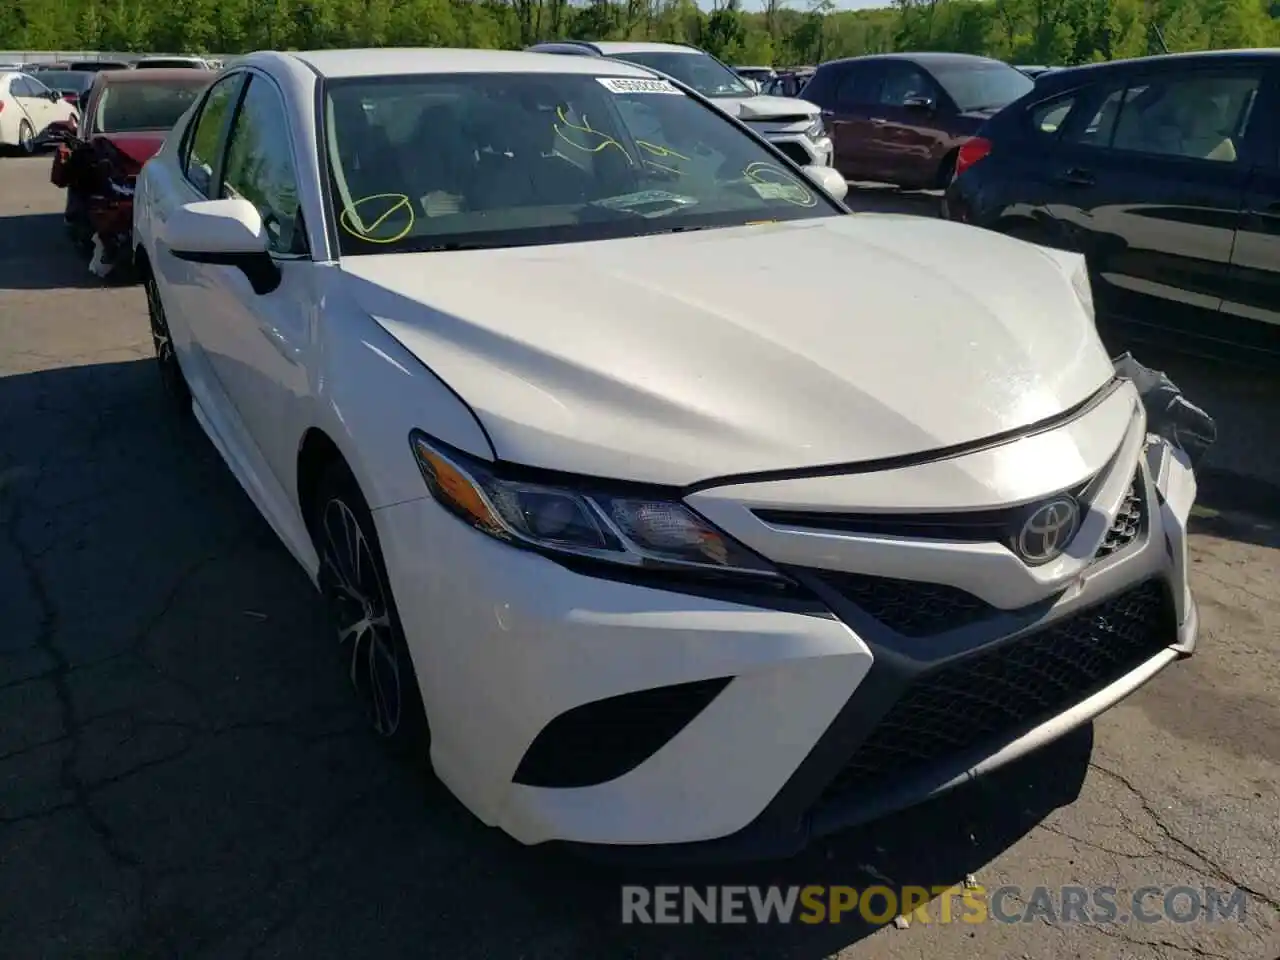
[(172, 378), (26, 137), (356, 590), (946, 172)]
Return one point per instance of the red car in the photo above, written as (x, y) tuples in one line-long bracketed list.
[(125, 118), (902, 118)]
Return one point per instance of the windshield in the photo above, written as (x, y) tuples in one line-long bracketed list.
[(143, 106), (982, 86), (705, 74), (495, 160), (65, 80)]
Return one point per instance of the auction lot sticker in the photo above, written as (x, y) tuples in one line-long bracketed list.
[(636, 85)]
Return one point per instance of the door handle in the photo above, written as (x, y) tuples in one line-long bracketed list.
[(878, 121), (1076, 177)]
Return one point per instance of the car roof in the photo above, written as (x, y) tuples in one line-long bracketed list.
[(1065, 76), (610, 47), (922, 58), (407, 60)]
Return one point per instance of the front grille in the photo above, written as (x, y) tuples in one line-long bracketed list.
[(795, 153), (909, 607), (997, 692), (1127, 526)]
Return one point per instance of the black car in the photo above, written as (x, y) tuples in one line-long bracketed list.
[(1165, 173)]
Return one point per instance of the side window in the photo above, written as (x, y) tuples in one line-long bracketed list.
[(902, 80), (260, 167), (206, 133), (856, 87), (1096, 132), (1197, 117), (35, 88), (1050, 117), (19, 87)]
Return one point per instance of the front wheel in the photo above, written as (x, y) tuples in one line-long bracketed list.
[(26, 137), (354, 583)]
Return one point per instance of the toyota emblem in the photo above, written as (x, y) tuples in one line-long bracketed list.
[(1046, 533)]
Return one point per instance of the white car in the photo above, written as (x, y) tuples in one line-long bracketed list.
[(27, 108), (794, 126), (663, 547)]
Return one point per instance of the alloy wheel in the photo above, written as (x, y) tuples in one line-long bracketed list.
[(357, 600), (166, 359), (26, 137)]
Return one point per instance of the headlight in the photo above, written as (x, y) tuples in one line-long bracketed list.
[(815, 130), (638, 531)]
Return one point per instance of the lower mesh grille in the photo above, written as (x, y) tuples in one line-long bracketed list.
[(1127, 526), (999, 691), (909, 607)]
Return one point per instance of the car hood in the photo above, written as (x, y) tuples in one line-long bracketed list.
[(682, 357), (764, 107)]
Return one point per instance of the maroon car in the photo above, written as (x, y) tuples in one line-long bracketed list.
[(901, 118), (126, 116)]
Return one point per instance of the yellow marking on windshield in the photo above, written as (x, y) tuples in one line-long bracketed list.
[(606, 140), (350, 218), (764, 173), (658, 150)]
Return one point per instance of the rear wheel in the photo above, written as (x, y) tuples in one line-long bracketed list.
[(354, 583)]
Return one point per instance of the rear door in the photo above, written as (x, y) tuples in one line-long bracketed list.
[(1148, 182), (1251, 309)]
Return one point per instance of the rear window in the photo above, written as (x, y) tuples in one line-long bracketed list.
[(143, 106), (982, 86)]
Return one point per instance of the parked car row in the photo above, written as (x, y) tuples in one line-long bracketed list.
[(641, 541), (43, 99)]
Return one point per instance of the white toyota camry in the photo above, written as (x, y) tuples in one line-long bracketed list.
[(532, 362)]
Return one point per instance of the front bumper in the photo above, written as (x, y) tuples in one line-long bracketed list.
[(773, 723), (801, 149)]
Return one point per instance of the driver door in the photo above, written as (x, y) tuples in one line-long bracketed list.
[(261, 338)]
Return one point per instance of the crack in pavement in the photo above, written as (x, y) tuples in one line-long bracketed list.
[(1218, 871), (45, 634)]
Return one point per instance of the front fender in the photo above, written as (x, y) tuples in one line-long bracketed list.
[(371, 392)]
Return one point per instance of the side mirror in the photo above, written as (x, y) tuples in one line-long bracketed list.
[(228, 232), (829, 179), (54, 96), (918, 101)]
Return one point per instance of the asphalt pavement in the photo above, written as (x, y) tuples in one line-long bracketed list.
[(183, 773)]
